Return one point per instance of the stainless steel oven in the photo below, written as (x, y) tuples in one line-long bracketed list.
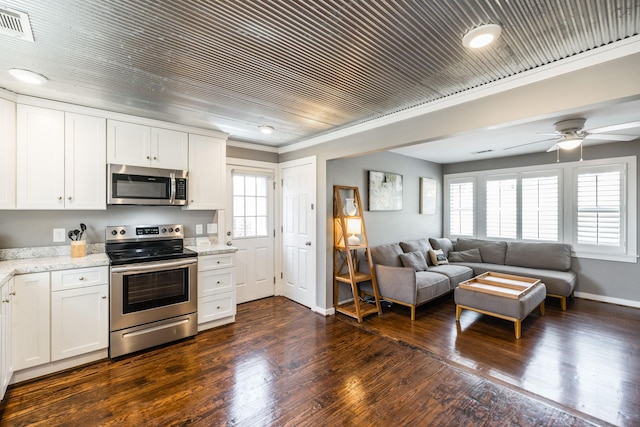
[(153, 297)]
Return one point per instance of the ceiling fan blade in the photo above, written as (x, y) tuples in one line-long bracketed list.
[(529, 143), (615, 128), (554, 147), (610, 137)]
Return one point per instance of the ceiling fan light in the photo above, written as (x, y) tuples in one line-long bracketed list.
[(27, 76), (570, 143), (481, 36), (267, 130)]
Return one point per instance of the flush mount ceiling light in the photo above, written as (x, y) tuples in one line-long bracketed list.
[(27, 76), (266, 129), (481, 36)]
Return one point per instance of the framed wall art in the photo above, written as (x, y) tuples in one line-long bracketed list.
[(428, 196), (385, 191)]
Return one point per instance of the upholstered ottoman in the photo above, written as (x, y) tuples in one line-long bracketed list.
[(508, 307)]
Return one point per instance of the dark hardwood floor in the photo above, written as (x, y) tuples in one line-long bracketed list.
[(280, 364)]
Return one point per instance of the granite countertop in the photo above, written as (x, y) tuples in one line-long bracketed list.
[(11, 267), (213, 249)]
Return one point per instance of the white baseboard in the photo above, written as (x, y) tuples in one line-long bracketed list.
[(610, 300), (325, 311)]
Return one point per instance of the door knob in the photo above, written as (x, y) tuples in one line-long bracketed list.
[(228, 233), (308, 243), (229, 243)]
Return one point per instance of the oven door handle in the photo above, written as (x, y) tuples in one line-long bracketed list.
[(153, 266)]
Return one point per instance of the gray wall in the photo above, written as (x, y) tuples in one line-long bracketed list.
[(605, 278), (20, 229), (390, 226)]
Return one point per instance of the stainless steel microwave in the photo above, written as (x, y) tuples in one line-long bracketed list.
[(135, 185)]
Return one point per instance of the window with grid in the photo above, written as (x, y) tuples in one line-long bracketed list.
[(540, 207), (461, 208), (250, 213), (501, 208), (600, 206)]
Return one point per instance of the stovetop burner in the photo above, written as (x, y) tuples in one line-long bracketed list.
[(145, 243)]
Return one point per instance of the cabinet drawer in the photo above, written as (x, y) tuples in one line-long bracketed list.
[(216, 307), (213, 282), (79, 278), (211, 262)]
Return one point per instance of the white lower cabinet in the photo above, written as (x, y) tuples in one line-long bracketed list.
[(216, 290), (79, 321), (58, 316), (31, 321), (6, 346)]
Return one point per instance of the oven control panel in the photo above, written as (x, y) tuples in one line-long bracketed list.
[(137, 232)]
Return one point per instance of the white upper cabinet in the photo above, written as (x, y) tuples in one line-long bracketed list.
[(40, 158), (139, 145), (207, 160), (85, 162), (7, 154), (60, 160)]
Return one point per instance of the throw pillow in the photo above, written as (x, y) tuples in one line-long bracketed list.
[(437, 257), (414, 260), (471, 255)]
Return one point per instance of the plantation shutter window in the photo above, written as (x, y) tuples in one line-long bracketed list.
[(461, 208), (502, 208), (540, 208), (600, 206)]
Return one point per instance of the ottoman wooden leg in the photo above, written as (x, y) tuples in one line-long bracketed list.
[(518, 326), (458, 312), (542, 308)]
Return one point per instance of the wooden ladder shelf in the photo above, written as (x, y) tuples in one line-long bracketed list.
[(347, 209)]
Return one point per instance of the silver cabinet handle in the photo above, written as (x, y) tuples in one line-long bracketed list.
[(229, 243), (104, 297), (308, 243)]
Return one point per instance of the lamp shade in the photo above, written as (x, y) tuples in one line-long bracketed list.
[(354, 226)]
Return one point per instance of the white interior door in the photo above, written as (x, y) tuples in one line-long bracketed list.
[(251, 223), (299, 230)]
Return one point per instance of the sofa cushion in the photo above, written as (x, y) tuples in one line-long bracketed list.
[(414, 260), (421, 245), (430, 285), (470, 255), (550, 256), (441, 243), (491, 251), (388, 254), (455, 273), (438, 257)]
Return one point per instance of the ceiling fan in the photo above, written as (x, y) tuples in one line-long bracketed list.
[(569, 134)]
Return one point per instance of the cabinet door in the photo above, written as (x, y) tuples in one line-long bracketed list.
[(128, 143), (40, 158), (79, 321), (169, 149), (85, 162), (31, 320), (7, 154), (6, 364), (207, 171)]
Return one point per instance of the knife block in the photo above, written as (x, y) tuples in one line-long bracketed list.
[(78, 248)]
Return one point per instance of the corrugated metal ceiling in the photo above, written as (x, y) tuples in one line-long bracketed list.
[(303, 67)]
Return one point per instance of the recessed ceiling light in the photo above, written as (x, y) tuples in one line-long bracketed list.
[(266, 129), (27, 76), (481, 36)]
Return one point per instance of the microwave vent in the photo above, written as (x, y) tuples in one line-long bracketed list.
[(15, 24)]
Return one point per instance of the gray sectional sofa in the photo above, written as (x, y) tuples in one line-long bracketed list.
[(410, 279)]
